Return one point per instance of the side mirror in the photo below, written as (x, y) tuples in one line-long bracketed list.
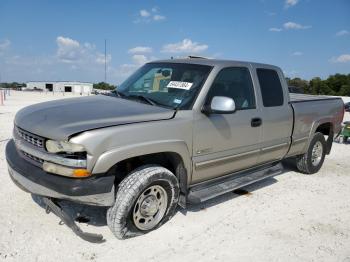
[(220, 105)]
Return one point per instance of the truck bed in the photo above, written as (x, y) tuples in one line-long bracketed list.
[(297, 98), (308, 116)]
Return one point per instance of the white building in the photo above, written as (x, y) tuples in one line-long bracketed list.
[(61, 86)]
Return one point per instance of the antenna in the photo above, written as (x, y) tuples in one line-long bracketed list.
[(105, 61)]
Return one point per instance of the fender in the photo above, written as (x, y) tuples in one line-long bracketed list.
[(315, 125), (112, 157)]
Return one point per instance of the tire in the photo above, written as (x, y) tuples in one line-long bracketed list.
[(139, 195), (305, 163), (345, 139)]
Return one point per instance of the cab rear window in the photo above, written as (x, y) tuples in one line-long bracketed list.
[(270, 86)]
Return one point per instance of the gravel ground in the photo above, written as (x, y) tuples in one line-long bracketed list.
[(291, 217)]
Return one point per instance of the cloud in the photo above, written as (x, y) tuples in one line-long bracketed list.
[(140, 49), (158, 17), (123, 71), (144, 13), (186, 46), (100, 58), (147, 16), (4, 45), (342, 33), (71, 51), (140, 59), (270, 13), (275, 29), (297, 53), (291, 73), (295, 26), (289, 26), (290, 3), (345, 58)]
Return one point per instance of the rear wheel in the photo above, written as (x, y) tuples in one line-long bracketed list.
[(145, 200), (312, 160)]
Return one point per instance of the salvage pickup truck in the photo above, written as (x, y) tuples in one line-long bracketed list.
[(177, 131)]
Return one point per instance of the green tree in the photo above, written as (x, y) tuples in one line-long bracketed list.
[(299, 83), (103, 86)]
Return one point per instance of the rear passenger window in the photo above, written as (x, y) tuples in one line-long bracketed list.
[(236, 83), (270, 86)]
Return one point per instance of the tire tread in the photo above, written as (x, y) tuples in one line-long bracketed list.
[(128, 191)]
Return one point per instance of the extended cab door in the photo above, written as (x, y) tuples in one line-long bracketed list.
[(276, 114), (225, 143)]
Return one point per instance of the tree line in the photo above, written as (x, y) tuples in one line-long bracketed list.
[(334, 85)]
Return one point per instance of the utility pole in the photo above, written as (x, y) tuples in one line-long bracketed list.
[(105, 61)]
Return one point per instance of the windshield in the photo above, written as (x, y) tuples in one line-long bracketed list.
[(169, 85)]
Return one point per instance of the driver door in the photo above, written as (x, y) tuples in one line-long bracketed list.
[(225, 143)]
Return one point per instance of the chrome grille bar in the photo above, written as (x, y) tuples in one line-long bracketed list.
[(30, 138)]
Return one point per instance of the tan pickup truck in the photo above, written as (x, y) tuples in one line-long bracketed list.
[(175, 132)]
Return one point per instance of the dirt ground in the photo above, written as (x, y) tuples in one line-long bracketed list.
[(291, 217)]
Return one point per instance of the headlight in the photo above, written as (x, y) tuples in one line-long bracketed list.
[(65, 171), (63, 146)]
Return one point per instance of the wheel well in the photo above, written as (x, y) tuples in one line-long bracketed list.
[(169, 160), (327, 130), (324, 128)]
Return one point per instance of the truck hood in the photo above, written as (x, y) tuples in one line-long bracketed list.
[(61, 119)]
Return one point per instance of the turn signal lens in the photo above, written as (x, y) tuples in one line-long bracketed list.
[(81, 173)]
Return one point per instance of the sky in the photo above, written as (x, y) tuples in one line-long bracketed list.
[(64, 40)]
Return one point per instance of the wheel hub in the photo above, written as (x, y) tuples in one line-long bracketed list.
[(150, 207), (317, 152)]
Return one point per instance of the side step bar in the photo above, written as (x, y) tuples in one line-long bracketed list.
[(204, 192)]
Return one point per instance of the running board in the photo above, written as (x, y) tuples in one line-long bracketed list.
[(204, 192)]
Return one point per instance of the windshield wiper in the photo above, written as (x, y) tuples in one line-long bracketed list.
[(144, 98), (119, 94), (113, 93), (141, 97)]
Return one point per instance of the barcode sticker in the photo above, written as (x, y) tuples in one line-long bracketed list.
[(180, 85)]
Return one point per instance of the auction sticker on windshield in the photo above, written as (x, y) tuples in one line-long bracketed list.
[(180, 85)]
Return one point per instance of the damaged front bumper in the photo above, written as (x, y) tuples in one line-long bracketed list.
[(96, 190)]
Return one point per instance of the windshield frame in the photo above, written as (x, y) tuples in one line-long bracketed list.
[(134, 77)]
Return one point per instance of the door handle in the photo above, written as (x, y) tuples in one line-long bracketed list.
[(256, 122)]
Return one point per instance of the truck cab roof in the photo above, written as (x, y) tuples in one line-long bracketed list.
[(215, 62)]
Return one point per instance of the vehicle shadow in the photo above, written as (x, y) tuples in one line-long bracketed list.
[(241, 192), (96, 216), (245, 191)]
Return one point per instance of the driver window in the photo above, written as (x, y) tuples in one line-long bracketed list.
[(236, 83)]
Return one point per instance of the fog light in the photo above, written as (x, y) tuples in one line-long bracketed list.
[(65, 171)]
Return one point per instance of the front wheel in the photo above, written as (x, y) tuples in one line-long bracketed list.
[(312, 160), (145, 200)]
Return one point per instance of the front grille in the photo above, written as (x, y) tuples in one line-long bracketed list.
[(30, 138), (31, 157)]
